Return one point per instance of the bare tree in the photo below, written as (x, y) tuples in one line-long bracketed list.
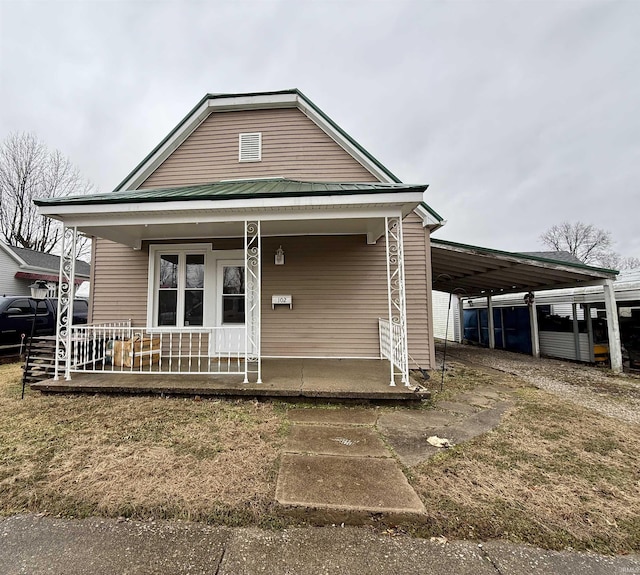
[(589, 244), (615, 261), (584, 241), (28, 170)]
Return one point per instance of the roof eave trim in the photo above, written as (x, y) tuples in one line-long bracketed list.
[(7, 249), (518, 256), (430, 218)]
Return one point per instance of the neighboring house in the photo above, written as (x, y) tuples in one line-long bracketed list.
[(258, 228), (21, 267), (446, 318)]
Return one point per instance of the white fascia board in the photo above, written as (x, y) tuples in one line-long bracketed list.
[(235, 216), (260, 101), (428, 220), (558, 266), (13, 255), (199, 116), (394, 199), (343, 142)]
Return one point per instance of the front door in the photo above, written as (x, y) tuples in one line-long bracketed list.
[(230, 312)]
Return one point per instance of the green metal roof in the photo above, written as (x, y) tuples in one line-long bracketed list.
[(489, 251), (207, 97), (435, 214), (233, 190)]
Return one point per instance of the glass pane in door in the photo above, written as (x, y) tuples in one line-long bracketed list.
[(233, 294)]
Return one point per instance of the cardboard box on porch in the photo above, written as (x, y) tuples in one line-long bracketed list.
[(136, 352)]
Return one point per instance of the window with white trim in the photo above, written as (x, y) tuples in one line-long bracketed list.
[(250, 147), (179, 288)]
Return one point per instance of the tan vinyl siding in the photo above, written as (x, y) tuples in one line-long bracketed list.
[(338, 285), (119, 290), (292, 146), (339, 289), (416, 271)]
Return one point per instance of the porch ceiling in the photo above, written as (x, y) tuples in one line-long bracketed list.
[(475, 271), (134, 234)]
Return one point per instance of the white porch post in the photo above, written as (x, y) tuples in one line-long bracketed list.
[(535, 332), (492, 330), (396, 299), (613, 327), (253, 285), (66, 289)]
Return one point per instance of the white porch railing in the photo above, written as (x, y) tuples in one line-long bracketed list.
[(121, 347), (388, 351)]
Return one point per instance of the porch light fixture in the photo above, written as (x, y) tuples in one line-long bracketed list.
[(39, 291), (279, 256)]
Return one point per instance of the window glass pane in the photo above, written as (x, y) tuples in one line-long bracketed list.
[(168, 271), (233, 280), (195, 271), (24, 305), (167, 305), (193, 307), (233, 309)]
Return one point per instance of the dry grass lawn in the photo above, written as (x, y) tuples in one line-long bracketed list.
[(553, 474), (138, 457)]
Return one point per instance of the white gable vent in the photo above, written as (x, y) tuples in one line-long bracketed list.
[(250, 147)]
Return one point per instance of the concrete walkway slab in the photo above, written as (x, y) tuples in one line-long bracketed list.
[(334, 416), (515, 560), (474, 399), (320, 550), (416, 420), (457, 407), (44, 546), (336, 440), (409, 441), (353, 484), (38, 545)]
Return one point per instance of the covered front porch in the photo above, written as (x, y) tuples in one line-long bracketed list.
[(211, 301), (303, 378)]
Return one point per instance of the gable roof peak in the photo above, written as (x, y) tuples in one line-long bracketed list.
[(290, 98)]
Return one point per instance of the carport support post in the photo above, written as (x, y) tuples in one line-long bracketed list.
[(576, 330), (492, 330), (535, 333), (460, 319), (587, 318), (613, 327)]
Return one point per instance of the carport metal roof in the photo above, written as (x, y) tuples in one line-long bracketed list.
[(475, 271)]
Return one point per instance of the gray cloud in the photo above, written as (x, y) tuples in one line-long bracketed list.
[(519, 114)]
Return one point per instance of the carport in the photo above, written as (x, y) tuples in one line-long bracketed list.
[(471, 271)]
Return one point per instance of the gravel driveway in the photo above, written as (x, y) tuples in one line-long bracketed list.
[(592, 387)]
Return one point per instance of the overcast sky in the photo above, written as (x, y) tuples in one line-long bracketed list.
[(517, 114)]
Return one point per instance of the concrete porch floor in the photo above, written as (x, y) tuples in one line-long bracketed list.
[(284, 378)]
